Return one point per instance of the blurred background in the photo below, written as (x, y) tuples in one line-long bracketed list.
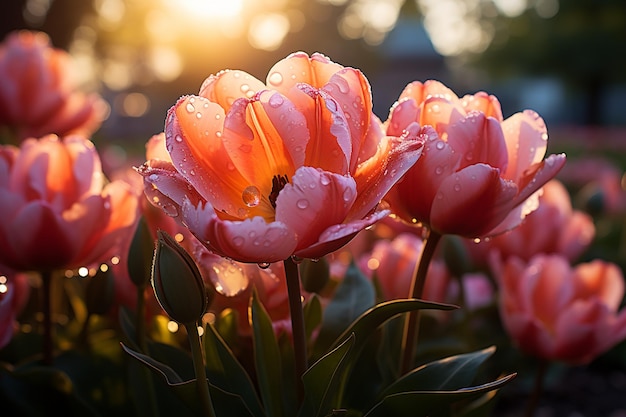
[(566, 59)]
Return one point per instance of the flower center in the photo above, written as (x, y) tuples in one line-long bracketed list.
[(278, 183)]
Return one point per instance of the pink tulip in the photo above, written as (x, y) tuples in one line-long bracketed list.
[(56, 210), (553, 228), (558, 312), (393, 262), (38, 92), (296, 166), (478, 174)]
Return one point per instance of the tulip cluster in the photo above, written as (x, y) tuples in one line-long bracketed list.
[(312, 253)]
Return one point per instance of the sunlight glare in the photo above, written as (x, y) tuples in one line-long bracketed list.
[(209, 8)]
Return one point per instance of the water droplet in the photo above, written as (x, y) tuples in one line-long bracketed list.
[(343, 85), (251, 196), (230, 166), (477, 240), (198, 115), (276, 100), (244, 88), (347, 194), (438, 170), (435, 108), (457, 187), (178, 138), (190, 108), (192, 172), (275, 78), (440, 145), (544, 136), (264, 265), (218, 134), (325, 180), (296, 259), (302, 203), (238, 241), (170, 209)]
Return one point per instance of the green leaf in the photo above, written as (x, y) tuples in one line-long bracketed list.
[(266, 358), (225, 403), (451, 373), (226, 372), (363, 326), (320, 381), (312, 311), (354, 295), (425, 403)]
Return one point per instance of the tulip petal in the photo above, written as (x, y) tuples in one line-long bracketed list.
[(229, 85), (350, 89), (376, 176), (41, 238), (300, 68), (402, 114), (198, 153), (314, 201), (484, 103), (472, 201), (479, 139), (338, 235), (252, 240), (526, 136)]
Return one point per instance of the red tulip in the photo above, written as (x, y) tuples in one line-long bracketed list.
[(558, 312), (297, 166), (38, 94), (478, 174), (56, 210)]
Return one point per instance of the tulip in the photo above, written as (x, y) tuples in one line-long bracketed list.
[(393, 264), (479, 174), (558, 312), (553, 228), (38, 92), (57, 212), (295, 166)]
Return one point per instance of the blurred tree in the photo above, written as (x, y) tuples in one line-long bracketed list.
[(583, 44)]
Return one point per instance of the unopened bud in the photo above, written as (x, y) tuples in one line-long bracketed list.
[(177, 282)]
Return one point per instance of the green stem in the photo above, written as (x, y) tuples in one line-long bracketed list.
[(411, 325), (140, 319), (297, 322), (202, 384), (533, 400), (47, 343)]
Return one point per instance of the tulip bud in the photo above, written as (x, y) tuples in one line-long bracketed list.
[(314, 274), (177, 282), (140, 254)]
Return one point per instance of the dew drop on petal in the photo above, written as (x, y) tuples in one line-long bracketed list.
[(251, 196), (190, 108), (325, 180), (170, 209), (178, 138), (275, 78), (347, 194), (457, 187), (264, 265), (276, 101), (238, 241), (438, 170), (440, 145), (302, 203)]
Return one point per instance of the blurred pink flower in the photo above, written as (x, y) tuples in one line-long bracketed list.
[(14, 293), (260, 172), (478, 174), (393, 263), (38, 92), (57, 209), (558, 312)]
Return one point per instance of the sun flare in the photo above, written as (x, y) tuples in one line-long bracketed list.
[(209, 8)]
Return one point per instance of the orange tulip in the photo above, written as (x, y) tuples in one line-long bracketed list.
[(297, 166), (478, 174), (558, 312), (56, 210), (38, 94)]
